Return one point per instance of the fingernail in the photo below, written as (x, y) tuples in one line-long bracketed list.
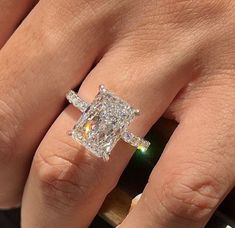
[(135, 201)]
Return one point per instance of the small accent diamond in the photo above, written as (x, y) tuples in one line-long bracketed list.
[(74, 99), (135, 141)]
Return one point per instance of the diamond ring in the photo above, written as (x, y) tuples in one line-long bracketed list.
[(104, 122)]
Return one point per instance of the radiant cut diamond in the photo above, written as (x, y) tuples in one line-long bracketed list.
[(103, 123)]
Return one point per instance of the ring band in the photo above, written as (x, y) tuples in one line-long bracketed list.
[(104, 122)]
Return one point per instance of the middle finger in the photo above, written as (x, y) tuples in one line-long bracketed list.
[(42, 60)]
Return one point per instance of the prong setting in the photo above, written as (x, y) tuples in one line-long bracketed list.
[(102, 88), (137, 112), (104, 122), (70, 132)]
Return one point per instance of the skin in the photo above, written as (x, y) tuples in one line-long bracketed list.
[(179, 55)]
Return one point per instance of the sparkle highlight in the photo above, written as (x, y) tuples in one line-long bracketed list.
[(87, 128), (142, 148)]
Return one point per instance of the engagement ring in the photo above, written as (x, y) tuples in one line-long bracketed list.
[(104, 122)]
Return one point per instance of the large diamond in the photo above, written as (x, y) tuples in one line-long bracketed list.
[(101, 125)]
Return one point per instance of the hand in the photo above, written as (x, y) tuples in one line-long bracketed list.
[(178, 54)]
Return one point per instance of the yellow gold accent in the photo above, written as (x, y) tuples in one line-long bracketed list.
[(87, 128)]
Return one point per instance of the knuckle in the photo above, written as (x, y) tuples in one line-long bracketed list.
[(191, 198), (64, 182)]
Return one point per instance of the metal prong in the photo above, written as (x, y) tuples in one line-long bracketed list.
[(70, 132), (106, 157), (137, 112), (102, 88)]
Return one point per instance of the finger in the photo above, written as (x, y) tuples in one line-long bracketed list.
[(12, 12), (67, 184), (41, 61), (196, 170)]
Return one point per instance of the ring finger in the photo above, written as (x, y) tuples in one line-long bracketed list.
[(65, 180)]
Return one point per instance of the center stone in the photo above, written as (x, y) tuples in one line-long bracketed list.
[(101, 125)]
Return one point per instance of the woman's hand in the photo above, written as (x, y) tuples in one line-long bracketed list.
[(179, 55)]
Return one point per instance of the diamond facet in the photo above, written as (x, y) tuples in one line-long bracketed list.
[(103, 123)]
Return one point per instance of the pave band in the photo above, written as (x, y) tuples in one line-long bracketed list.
[(76, 101), (104, 122)]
